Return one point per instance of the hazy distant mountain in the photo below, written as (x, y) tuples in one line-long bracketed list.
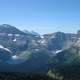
[(35, 33), (31, 33)]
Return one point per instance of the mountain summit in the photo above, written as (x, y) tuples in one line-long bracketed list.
[(5, 28)]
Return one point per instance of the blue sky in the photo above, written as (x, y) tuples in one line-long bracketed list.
[(43, 16)]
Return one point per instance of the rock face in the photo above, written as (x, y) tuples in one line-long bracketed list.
[(57, 41), (5, 54)]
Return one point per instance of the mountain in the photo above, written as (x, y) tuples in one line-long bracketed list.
[(70, 55), (16, 40), (8, 29), (60, 40), (66, 64), (56, 41), (25, 51)]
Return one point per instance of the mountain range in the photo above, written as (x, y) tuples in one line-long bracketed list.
[(24, 51)]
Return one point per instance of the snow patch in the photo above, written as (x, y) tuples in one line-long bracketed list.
[(10, 34), (43, 41), (58, 51), (42, 37), (36, 49), (14, 57), (14, 40), (17, 35), (2, 47)]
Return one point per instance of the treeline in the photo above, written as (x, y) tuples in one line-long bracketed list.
[(62, 72), (22, 76), (66, 72)]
